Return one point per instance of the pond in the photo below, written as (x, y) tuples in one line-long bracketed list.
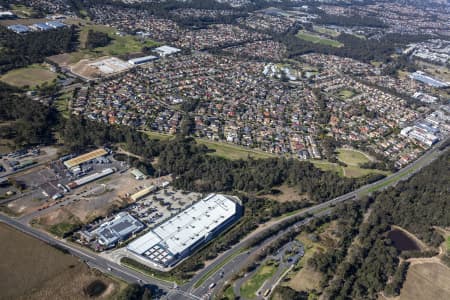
[(402, 241), (95, 288)]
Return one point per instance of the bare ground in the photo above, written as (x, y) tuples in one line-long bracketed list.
[(426, 281), (31, 269), (287, 194)]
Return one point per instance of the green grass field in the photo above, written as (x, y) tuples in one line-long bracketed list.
[(62, 104), (215, 269), (353, 171), (352, 157), (313, 38), (391, 180), (252, 285), (119, 45), (62, 228), (233, 152), (32, 76), (229, 293), (327, 31), (376, 63), (157, 136), (346, 94), (137, 266), (22, 10), (448, 244), (328, 166)]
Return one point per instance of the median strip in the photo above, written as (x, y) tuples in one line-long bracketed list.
[(215, 269)]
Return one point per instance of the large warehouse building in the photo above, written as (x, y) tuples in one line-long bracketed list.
[(84, 158), (177, 237)]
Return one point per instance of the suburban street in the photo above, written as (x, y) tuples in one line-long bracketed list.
[(228, 263)]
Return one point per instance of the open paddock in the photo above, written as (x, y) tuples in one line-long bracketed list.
[(317, 39), (31, 76), (353, 157), (233, 152), (426, 281), (31, 269)]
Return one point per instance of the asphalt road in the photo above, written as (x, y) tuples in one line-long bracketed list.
[(235, 264), (238, 262), (96, 261)]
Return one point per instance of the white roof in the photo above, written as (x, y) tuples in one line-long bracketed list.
[(189, 226), (167, 50), (142, 59)]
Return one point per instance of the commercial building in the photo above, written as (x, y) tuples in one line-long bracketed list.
[(87, 157), (166, 50), (118, 229), (422, 77), (55, 24), (142, 60), (179, 236), (424, 97), (7, 15), (41, 27), (420, 133), (19, 28)]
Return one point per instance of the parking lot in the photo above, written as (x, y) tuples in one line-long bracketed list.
[(161, 204), (23, 159), (44, 185)]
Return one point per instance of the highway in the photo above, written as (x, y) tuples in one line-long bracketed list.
[(317, 210), (232, 260)]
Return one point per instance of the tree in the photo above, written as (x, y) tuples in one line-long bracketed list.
[(97, 39)]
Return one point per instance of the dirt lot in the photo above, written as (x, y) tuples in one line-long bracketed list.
[(286, 194), (83, 69), (307, 279), (103, 66), (63, 60), (427, 281), (95, 200), (31, 269)]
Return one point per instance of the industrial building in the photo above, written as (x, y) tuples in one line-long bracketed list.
[(138, 174), (87, 157), (179, 236), (142, 193), (89, 178), (422, 77), (142, 60), (166, 50), (118, 229)]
